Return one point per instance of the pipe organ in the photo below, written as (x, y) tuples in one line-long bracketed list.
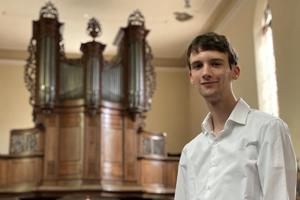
[(89, 137)]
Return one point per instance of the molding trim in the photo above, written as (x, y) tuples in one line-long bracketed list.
[(11, 62), (169, 62), (8, 54), (171, 69)]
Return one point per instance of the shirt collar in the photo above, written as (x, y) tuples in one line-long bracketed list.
[(239, 115), (207, 124), (240, 112)]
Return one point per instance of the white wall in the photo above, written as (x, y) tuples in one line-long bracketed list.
[(238, 27), (15, 110), (286, 33), (170, 108)]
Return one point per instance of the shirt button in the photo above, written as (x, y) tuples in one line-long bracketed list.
[(213, 164)]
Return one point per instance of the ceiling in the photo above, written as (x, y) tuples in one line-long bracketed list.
[(168, 37)]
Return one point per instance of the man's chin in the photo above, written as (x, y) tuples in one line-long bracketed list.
[(207, 94), (210, 97)]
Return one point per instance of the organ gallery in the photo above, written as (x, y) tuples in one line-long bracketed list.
[(89, 138)]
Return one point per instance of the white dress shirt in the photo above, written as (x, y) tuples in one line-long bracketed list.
[(251, 159)]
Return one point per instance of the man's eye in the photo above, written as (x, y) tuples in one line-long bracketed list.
[(197, 66), (216, 64)]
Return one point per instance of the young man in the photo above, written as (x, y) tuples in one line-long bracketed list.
[(241, 153)]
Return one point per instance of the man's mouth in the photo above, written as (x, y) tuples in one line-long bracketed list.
[(209, 82)]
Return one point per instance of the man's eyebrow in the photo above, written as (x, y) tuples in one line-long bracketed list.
[(212, 59), (217, 59)]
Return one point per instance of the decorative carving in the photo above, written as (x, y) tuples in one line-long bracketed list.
[(30, 71), (62, 48), (18, 144), (152, 144), (49, 11), (136, 18), (94, 28), (25, 141), (150, 76), (32, 142), (158, 147), (147, 146)]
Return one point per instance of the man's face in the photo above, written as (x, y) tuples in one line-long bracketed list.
[(210, 73)]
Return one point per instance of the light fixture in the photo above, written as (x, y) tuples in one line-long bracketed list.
[(184, 16), (187, 3)]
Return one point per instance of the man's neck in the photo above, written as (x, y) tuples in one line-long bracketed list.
[(220, 111)]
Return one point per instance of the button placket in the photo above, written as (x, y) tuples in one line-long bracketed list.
[(213, 155), (212, 168)]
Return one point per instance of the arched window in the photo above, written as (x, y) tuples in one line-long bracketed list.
[(266, 67)]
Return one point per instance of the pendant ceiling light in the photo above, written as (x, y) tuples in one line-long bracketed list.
[(184, 16)]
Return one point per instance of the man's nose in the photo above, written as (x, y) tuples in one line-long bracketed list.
[(206, 71)]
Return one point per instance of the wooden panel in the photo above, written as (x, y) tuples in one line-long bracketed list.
[(152, 172), (130, 171), (70, 120), (130, 139), (51, 169), (3, 172), (112, 154), (171, 174), (70, 144), (20, 171), (51, 123), (112, 145), (111, 121), (70, 169), (51, 142), (130, 159), (25, 171), (92, 148), (52, 120), (112, 171)]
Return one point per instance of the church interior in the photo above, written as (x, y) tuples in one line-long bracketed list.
[(66, 133)]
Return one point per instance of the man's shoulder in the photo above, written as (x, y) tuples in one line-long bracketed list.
[(261, 117), (266, 123), (255, 115)]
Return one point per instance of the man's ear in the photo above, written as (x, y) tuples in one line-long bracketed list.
[(236, 72)]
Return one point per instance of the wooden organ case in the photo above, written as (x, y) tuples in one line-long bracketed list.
[(88, 138)]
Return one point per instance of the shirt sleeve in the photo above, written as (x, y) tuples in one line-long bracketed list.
[(277, 163), (181, 192)]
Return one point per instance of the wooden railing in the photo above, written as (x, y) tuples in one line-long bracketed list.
[(20, 173)]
